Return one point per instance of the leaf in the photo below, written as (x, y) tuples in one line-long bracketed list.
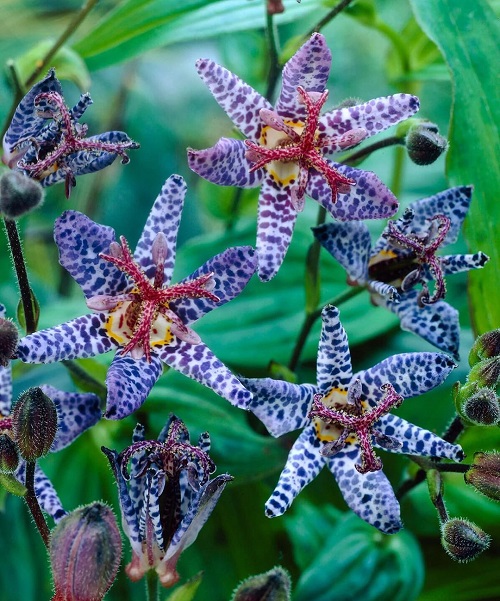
[(187, 591), (467, 34)]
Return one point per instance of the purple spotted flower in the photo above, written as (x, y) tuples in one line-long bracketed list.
[(165, 498), (286, 146), (344, 416), (405, 256), (76, 412), (138, 311), (46, 142)]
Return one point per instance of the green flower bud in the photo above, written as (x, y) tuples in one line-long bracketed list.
[(485, 347), (34, 424), (424, 144), (272, 586), (482, 408), (9, 457), (484, 474), (463, 540), (8, 341), (485, 373), (85, 552), (19, 194)]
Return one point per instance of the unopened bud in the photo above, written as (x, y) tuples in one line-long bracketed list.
[(424, 144), (19, 194), (275, 7), (484, 474), (272, 586), (482, 408), (8, 341), (485, 347), (485, 373), (34, 424), (9, 457), (85, 552), (463, 540)]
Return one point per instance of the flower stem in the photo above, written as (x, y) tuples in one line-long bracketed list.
[(32, 503), (152, 588), (16, 252), (338, 8), (274, 66), (356, 157), (454, 430)]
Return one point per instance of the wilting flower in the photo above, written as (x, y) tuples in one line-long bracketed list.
[(165, 498), (76, 412), (349, 417), (46, 142), (138, 311), (405, 256), (285, 147)]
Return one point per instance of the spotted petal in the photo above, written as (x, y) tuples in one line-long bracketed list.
[(225, 164), (79, 338), (459, 263), (5, 381), (369, 495), (129, 381), (334, 359), (44, 491), (280, 406), (239, 100), (309, 67), (303, 465), (80, 240)]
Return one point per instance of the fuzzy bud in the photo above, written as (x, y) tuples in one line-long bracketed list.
[(485, 373), (484, 474), (85, 552), (8, 341), (9, 457), (272, 586), (485, 347), (275, 7), (482, 408), (34, 424), (19, 194), (424, 144), (463, 540)]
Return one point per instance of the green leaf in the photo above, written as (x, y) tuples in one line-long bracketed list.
[(10, 484), (186, 591), (467, 34)]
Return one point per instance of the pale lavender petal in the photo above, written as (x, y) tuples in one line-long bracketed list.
[(239, 100), (384, 290), (5, 389), (333, 368), (309, 67), (129, 381), (225, 164), (79, 338), (44, 490)]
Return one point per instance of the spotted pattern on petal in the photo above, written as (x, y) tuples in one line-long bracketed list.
[(334, 359), (129, 382), (5, 389), (459, 263), (81, 106), (44, 491), (76, 339)]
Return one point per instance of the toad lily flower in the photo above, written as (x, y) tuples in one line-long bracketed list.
[(343, 417), (46, 142), (138, 311), (166, 498), (286, 146), (404, 256)]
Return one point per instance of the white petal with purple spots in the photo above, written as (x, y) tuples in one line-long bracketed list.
[(334, 359)]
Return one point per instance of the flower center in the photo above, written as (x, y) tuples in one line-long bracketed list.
[(290, 149), (143, 317)]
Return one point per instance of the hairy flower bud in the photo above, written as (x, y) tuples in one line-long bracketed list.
[(485, 373), (272, 586), (424, 144), (482, 408), (485, 347), (463, 540), (484, 474), (34, 424), (19, 194), (8, 341), (9, 457), (85, 552)]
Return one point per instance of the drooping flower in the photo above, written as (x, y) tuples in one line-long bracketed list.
[(76, 412), (286, 146), (137, 310), (165, 498), (46, 142), (405, 256), (343, 417)]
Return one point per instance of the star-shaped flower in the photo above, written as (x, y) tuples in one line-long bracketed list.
[(76, 412), (349, 417), (46, 142), (138, 312), (165, 498), (404, 256), (286, 146)]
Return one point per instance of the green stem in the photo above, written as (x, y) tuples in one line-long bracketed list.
[(356, 157), (397, 41), (33, 505), (235, 208), (152, 588), (16, 252), (274, 66), (397, 174), (454, 430), (338, 8)]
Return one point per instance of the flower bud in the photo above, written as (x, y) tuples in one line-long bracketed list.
[(85, 552), (482, 408), (34, 424), (8, 341), (272, 586), (484, 474), (275, 7), (9, 457), (485, 347), (485, 373), (424, 144), (19, 194), (463, 540)]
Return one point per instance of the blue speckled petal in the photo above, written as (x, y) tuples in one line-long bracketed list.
[(5, 389), (280, 406), (79, 338), (334, 368), (459, 263), (129, 382), (44, 490)]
